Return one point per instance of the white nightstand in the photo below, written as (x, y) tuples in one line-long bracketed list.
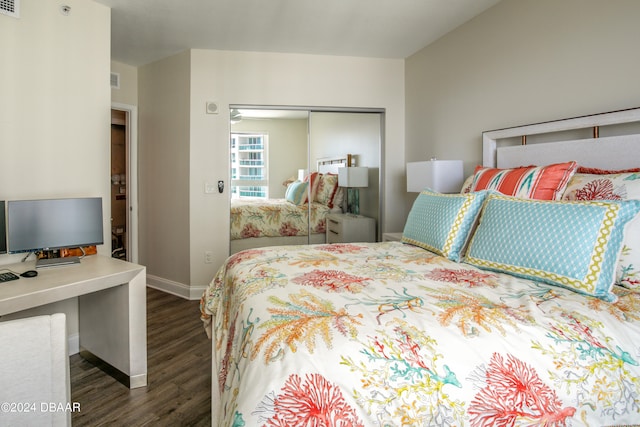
[(344, 228), (391, 237)]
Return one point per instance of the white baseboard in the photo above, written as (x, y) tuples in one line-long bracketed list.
[(175, 288)]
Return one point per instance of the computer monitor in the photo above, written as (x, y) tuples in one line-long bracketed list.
[(36, 225), (3, 229)]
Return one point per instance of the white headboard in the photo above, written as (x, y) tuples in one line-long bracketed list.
[(582, 139), (331, 164)]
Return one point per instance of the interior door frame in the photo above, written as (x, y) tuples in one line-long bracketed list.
[(132, 178)]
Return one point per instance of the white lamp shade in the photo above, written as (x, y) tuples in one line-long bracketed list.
[(353, 177), (443, 176), (302, 173)]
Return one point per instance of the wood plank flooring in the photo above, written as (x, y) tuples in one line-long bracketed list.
[(179, 374)]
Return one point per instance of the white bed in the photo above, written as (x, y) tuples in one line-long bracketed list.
[(416, 333)]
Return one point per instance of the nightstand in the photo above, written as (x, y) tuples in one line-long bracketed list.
[(344, 228), (391, 237)]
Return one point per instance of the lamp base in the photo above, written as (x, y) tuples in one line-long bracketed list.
[(353, 201)]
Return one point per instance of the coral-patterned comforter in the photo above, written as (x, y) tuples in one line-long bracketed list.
[(275, 217), (388, 334)]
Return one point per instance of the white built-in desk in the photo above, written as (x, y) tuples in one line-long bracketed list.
[(112, 309)]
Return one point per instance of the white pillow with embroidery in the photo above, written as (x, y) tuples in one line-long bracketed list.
[(614, 186)]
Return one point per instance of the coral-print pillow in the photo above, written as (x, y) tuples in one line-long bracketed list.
[(327, 189), (314, 180), (617, 186)]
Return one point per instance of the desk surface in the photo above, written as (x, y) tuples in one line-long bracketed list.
[(94, 273)]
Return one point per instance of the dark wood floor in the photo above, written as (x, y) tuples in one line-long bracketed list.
[(179, 374)]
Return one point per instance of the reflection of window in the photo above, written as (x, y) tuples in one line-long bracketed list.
[(249, 174)]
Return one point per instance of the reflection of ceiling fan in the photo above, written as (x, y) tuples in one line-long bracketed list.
[(235, 116), (239, 114)]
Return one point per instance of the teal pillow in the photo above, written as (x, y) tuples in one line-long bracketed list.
[(441, 223), (297, 192), (571, 244)]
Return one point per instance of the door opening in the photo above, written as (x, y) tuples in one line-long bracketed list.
[(119, 179)]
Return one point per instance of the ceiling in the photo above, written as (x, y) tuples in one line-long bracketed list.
[(143, 31)]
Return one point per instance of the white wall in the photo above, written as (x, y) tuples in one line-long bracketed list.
[(55, 109), (247, 78), (522, 61)]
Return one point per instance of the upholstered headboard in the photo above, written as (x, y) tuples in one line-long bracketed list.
[(608, 141)]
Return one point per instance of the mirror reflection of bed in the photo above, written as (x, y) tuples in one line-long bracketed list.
[(273, 148)]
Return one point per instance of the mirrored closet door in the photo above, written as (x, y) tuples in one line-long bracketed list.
[(282, 158)]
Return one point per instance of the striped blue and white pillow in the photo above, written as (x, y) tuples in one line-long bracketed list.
[(441, 223), (571, 244), (297, 192)]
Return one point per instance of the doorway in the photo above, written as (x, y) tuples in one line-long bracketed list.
[(124, 235)]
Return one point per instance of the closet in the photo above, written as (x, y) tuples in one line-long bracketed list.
[(292, 139)]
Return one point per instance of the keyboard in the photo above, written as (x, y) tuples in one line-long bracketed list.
[(8, 276)]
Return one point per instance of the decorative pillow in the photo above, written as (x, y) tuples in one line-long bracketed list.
[(338, 198), (571, 244), (529, 182), (467, 184), (288, 181), (297, 192), (597, 171), (618, 186), (314, 180), (327, 186), (442, 223)]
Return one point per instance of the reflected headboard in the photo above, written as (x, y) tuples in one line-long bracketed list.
[(607, 141), (331, 164)]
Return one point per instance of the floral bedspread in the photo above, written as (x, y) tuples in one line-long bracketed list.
[(275, 217), (387, 334)]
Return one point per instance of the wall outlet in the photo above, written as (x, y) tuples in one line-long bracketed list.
[(208, 257)]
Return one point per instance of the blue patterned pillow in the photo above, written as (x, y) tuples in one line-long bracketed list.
[(297, 192), (441, 223), (571, 244)]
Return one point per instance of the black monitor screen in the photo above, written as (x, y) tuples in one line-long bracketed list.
[(3, 230), (34, 225)]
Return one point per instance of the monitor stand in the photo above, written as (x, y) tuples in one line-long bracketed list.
[(57, 262)]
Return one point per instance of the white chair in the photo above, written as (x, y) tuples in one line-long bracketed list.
[(35, 385)]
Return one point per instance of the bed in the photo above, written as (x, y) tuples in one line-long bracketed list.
[(464, 322), (291, 220)]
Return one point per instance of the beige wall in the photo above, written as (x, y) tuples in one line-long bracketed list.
[(54, 104), (54, 109), (128, 91), (287, 152), (522, 61), (236, 78), (164, 168), (276, 79), (359, 134)]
